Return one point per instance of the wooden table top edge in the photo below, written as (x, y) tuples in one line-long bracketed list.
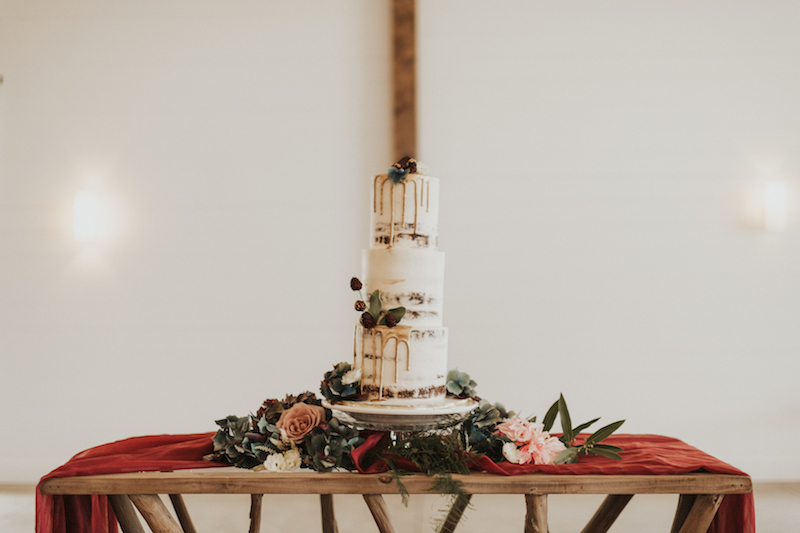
[(303, 482)]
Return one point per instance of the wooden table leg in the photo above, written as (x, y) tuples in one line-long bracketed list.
[(685, 502), (255, 512), (379, 512), (701, 514), (607, 513), (328, 518), (536, 516), (126, 515), (155, 513), (456, 512), (183, 513)]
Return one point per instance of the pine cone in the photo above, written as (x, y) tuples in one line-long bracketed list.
[(367, 321), (361, 306), (355, 284), (391, 321)]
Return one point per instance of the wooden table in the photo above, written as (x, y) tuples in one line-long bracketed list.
[(700, 494)]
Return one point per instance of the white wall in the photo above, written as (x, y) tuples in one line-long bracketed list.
[(593, 161)]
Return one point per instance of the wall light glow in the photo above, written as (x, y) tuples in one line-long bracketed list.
[(776, 205), (86, 216)]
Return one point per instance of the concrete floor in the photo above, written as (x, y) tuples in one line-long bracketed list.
[(777, 511)]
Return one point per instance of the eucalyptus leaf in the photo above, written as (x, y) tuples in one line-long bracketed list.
[(550, 417), (375, 304), (566, 423), (604, 432)]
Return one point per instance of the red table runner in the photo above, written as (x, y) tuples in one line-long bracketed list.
[(642, 454)]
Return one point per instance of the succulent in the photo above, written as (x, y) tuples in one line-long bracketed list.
[(460, 385)]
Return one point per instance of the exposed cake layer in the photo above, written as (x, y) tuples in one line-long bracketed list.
[(405, 214), (411, 278), (403, 364)]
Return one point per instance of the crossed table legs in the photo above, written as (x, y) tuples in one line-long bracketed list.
[(699, 494)]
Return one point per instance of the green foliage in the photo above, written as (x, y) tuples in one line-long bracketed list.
[(232, 442), (329, 446), (479, 430), (398, 313), (375, 305), (589, 446), (436, 454), (332, 387), (379, 313)]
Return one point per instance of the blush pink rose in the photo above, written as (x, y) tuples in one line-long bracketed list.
[(516, 429), (299, 420)]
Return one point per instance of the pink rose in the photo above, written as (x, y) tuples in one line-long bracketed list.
[(298, 421), (516, 429)]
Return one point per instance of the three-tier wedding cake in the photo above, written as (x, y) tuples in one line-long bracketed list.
[(403, 363)]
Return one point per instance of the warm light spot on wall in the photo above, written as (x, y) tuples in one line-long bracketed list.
[(86, 222), (776, 205)]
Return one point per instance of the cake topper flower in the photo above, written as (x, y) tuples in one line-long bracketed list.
[(375, 315), (398, 171)]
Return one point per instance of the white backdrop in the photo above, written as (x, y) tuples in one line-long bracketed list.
[(595, 164)]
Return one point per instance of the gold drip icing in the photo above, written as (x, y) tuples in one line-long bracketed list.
[(355, 352), (422, 191), (400, 334)]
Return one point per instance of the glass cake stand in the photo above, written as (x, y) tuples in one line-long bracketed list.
[(402, 418)]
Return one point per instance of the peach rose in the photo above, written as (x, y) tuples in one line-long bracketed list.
[(300, 420)]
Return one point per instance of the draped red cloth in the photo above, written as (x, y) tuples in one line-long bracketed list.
[(93, 514), (642, 454)]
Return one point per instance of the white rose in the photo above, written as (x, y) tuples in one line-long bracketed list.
[(275, 463), (292, 458), (512, 453), (351, 376)]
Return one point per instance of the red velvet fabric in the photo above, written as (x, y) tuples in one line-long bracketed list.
[(642, 454)]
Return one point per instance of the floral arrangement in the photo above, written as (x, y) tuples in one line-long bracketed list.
[(284, 435), (299, 432)]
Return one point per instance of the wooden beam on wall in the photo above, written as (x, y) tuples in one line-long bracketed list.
[(404, 78)]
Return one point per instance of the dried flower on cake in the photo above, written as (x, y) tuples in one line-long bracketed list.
[(367, 320)]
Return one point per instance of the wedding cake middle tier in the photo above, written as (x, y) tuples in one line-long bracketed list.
[(406, 363)]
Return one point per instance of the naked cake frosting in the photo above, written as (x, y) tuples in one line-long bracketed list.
[(404, 363)]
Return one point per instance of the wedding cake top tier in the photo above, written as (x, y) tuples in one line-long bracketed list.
[(405, 214)]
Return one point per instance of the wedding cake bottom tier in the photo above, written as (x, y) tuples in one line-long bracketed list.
[(401, 365)]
